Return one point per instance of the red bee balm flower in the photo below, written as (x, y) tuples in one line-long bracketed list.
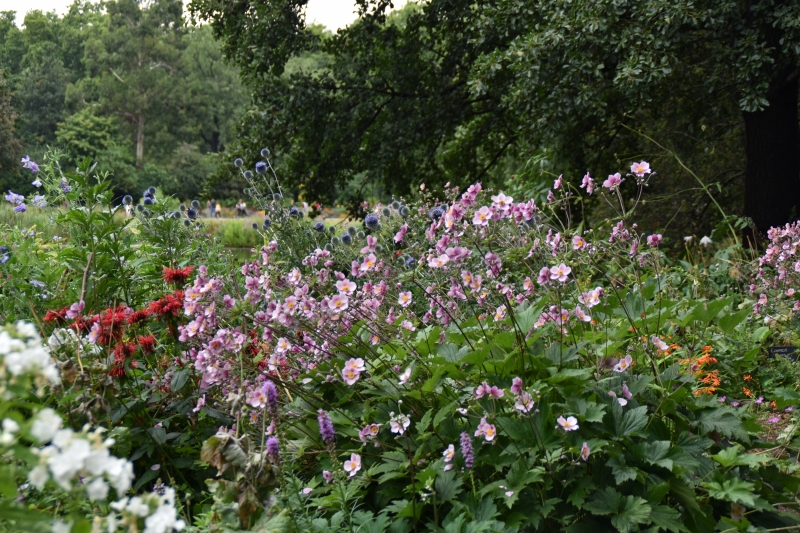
[(147, 343), (177, 276)]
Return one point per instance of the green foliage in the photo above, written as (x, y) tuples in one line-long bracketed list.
[(86, 134)]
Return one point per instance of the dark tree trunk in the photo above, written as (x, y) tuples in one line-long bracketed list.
[(772, 179), (140, 141)]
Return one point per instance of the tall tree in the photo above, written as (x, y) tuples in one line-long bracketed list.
[(454, 86)]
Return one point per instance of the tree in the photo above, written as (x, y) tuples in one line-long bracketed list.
[(450, 89), (10, 147), (86, 133)]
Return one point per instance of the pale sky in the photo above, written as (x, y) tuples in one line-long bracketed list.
[(334, 14)]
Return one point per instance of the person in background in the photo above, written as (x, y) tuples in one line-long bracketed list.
[(212, 208), (209, 209), (217, 208)]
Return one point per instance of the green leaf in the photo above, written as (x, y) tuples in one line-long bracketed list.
[(633, 510), (723, 421), (594, 412), (656, 453), (667, 519), (632, 421), (447, 485), (732, 490), (621, 471), (728, 322), (179, 379), (560, 355), (443, 413), (605, 502)]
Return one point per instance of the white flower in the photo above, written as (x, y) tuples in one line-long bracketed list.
[(399, 423), (38, 476), (60, 526), (706, 240), (165, 518), (353, 465), (405, 376), (97, 489), (9, 428), (449, 453), (45, 425), (568, 424)]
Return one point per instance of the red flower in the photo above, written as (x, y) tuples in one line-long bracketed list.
[(59, 316), (124, 350), (138, 316), (147, 343), (177, 276)]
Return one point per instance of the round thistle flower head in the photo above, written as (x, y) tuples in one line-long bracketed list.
[(195, 204), (319, 226), (191, 213), (176, 215), (379, 248), (267, 223), (255, 225), (182, 208), (410, 261), (265, 152), (294, 212), (238, 162), (127, 199), (148, 200), (347, 239), (146, 212), (371, 221), (139, 207), (277, 196), (405, 212), (386, 212), (187, 222), (261, 167), (335, 241), (328, 247), (331, 229), (147, 194), (361, 235), (248, 174), (151, 190), (436, 213), (396, 204), (352, 230), (378, 227)]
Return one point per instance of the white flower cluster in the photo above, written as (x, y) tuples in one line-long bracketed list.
[(22, 352), (158, 511), (63, 337), (72, 454)]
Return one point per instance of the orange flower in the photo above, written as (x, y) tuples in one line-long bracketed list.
[(746, 391), (707, 348), (748, 377), (705, 390), (773, 404)]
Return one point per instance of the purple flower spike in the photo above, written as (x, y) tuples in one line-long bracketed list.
[(466, 450), (274, 448), (326, 427)]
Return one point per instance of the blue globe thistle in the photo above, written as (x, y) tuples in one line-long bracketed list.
[(127, 199), (436, 213), (265, 152), (139, 207), (255, 225), (319, 226), (329, 247), (238, 162), (182, 207), (196, 204), (176, 215), (248, 174), (386, 212), (146, 212), (332, 229), (277, 196), (361, 235), (261, 167), (294, 212), (148, 200), (187, 222), (5, 257), (335, 241), (371, 221), (347, 238), (151, 190), (267, 223), (148, 194), (191, 213), (352, 230), (405, 212), (396, 205), (410, 261)]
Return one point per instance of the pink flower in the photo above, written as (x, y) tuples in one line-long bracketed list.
[(568, 424), (544, 276), (585, 451), (356, 364), (578, 242), (560, 272), (75, 309), (613, 181), (338, 303), (640, 169), (405, 376), (516, 385), (482, 216), (661, 345), (557, 183), (654, 240), (368, 263), (774, 420), (623, 364), (486, 430), (588, 183), (327, 476), (353, 464), (502, 201), (550, 197), (404, 299), (524, 402), (400, 235), (581, 315), (346, 287), (438, 262), (449, 453)]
